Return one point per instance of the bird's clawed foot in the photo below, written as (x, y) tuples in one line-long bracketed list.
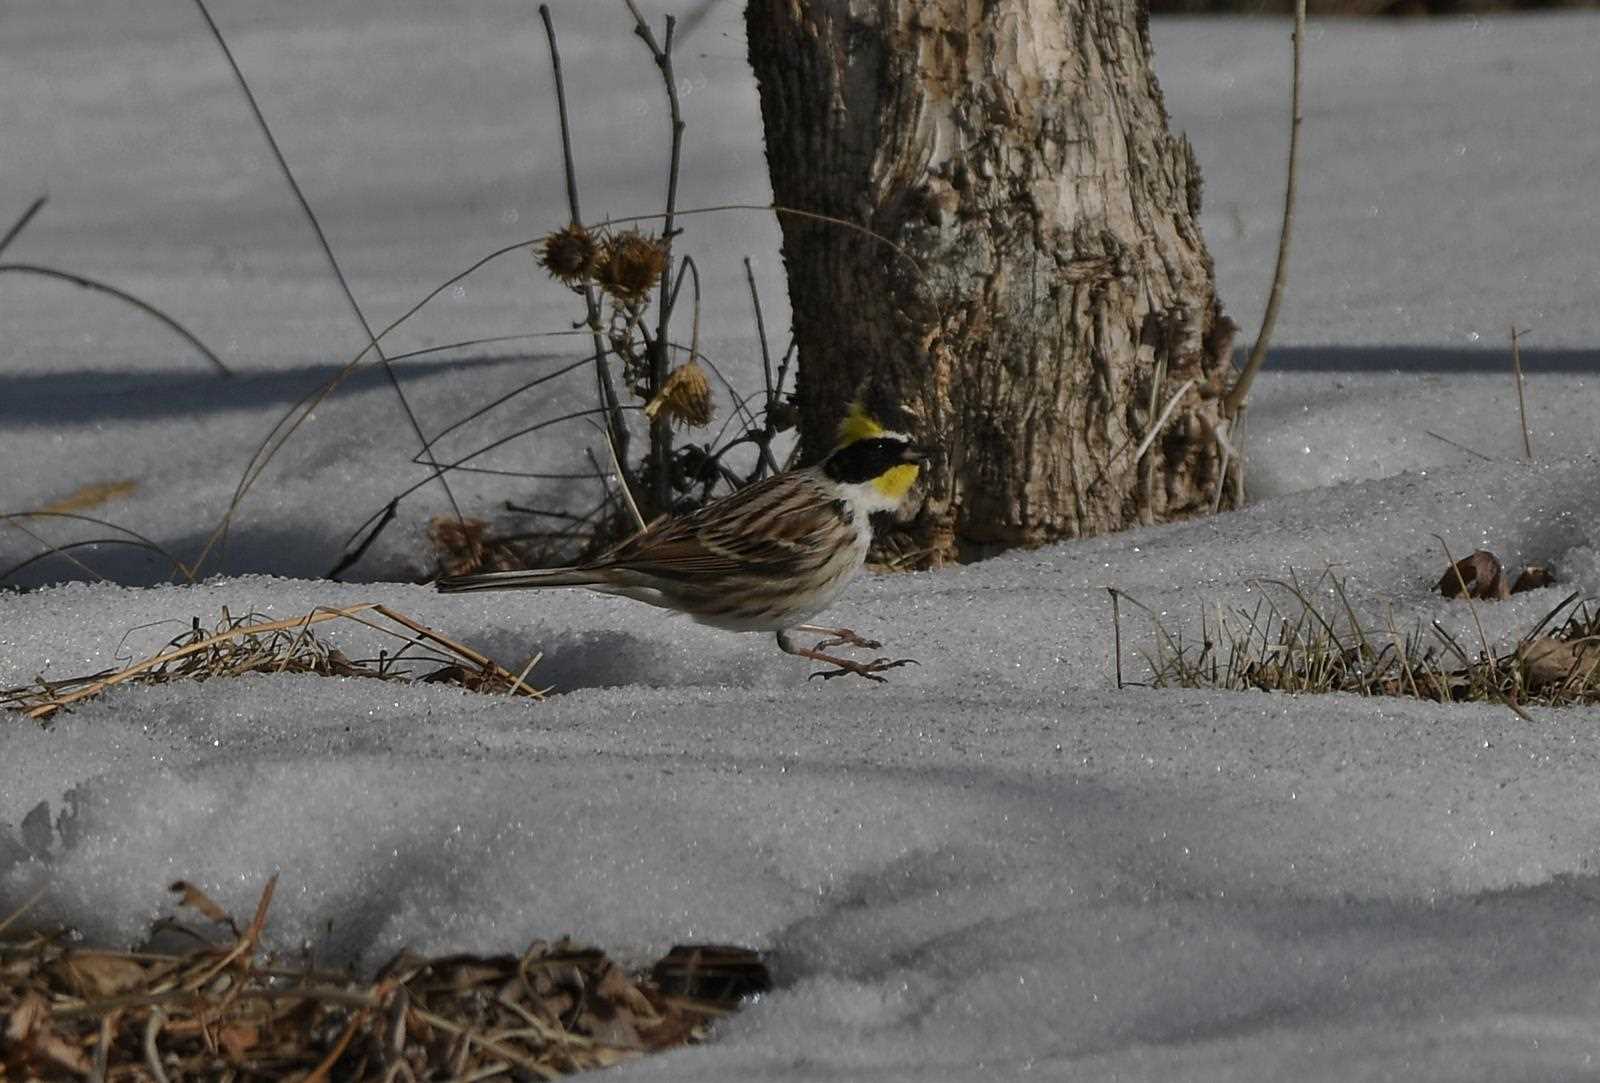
[(869, 670), (838, 637), (842, 666)]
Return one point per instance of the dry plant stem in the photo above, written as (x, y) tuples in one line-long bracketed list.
[(322, 239), (1239, 393), (1522, 403), (128, 298), (661, 428), (603, 383), (22, 221)]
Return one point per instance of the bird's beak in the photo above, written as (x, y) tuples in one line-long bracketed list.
[(916, 453)]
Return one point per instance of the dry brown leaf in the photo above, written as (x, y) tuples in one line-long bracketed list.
[(1479, 573), (1549, 661)]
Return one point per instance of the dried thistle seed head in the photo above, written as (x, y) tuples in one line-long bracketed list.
[(569, 254), (685, 398), (630, 264)]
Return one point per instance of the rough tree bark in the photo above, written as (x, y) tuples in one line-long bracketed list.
[(1057, 291)]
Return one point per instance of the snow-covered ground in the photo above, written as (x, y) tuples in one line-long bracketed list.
[(995, 865)]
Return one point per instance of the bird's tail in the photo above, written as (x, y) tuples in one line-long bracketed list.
[(529, 580)]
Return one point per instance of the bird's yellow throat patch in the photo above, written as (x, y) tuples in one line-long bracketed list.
[(896, 481)]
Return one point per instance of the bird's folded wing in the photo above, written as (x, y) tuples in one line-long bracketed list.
[(763, 529)]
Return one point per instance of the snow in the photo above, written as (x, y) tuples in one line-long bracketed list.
[(997, 863)]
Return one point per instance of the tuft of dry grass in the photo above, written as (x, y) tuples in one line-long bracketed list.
[(219, 1011), (255, 644), (1308, 639)]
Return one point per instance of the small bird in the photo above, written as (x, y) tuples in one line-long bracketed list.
[(766, 558)]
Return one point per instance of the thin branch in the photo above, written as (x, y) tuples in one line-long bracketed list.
[(1239, 393)]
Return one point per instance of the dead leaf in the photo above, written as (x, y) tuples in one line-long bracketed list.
[(1547, 661), (1479, 573)]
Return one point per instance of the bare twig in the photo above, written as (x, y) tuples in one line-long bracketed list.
[(1522, 404)]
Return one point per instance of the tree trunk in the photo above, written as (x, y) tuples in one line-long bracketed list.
[(1029, 275)]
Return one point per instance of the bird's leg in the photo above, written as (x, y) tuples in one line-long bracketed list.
[(869, 670), (836, 637)]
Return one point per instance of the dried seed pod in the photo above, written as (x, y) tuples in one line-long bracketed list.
[(685, 397), (569, 254), (630, 264)]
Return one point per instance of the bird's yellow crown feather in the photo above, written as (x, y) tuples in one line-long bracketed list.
[(858, 425)]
